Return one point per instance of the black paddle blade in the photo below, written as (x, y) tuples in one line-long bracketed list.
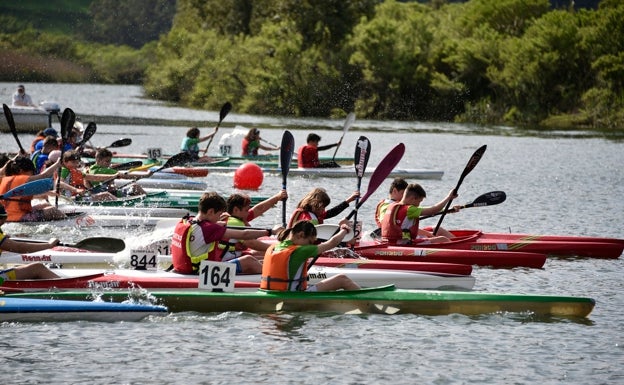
[(120, 143), (67, 123), (286, 152), (88, 133), (472, 163), (362, 153), (489, 199), (127, 165), (176, 160), (11, 122), (102, 244), (225, 109)]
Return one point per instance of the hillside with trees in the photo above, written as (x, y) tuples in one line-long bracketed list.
[(517, 62)]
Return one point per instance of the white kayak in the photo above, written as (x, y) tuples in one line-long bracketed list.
[(337, 172), (91, 220), (166, 184), (163, 212), (363, 277)]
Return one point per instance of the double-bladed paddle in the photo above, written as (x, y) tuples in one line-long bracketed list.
[(286, 152), (175, 160), (34, 187), (67, 124), (97, 244), (87, 135), (348, 123), (127, 165), (123, 142), (360, 160), (225, 109), (11, 122), (472, 163), (488, 199)]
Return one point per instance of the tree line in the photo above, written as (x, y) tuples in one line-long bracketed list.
[(517, 62)]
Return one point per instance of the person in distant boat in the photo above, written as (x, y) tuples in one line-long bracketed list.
[(239, 213), (397, 188), (21, 98), (251, 143), (312, 207), (285, 266), (400, 223), (190, 144), (35, 270), (102, 166), (196, 238), (19, 171), (307, 155)]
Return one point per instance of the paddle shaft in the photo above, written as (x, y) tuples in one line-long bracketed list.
[(474, 159), (348, 122), (487, 199), (286, 152), (360, 159), (225, 109), (67, 124)]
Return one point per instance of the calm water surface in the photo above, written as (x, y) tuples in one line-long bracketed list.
[(556, 184)]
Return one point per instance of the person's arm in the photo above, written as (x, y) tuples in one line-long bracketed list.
[(327, 147), (432, 210), (47, 173), (27, 247), (342, 206), (267, 148), (247, 234), (267, 204), (205, 138), (336, 239)]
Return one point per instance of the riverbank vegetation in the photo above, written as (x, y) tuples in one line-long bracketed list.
[(515, 62)]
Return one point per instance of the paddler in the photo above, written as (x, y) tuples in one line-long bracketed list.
[(196, 238), (312, 207), (399, 224), (285, 266), (35, 270), (239, 213)]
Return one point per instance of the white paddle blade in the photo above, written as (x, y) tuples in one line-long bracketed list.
[(326, 231)]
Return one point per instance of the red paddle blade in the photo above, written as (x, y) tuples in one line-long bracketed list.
[(384, 169)]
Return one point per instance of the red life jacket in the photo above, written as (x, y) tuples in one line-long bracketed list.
[(275, 267), (307, 157), (392, 224), (181, 257)]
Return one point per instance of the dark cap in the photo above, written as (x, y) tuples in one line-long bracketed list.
[(50, 132)]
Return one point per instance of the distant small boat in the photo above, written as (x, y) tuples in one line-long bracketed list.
[(30, 119)]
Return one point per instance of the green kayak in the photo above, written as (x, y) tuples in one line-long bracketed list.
[(162, 199), (382, 300)]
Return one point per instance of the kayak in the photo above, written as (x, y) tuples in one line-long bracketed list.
[(581, 247), (81, 219), (168, 183), (338, 172), (69, 257), (232, 159), (490, 258), (124, 278), (55, 310), (163, 212), (381, 300)]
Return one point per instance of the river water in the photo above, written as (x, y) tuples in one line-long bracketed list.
[(556, 183)]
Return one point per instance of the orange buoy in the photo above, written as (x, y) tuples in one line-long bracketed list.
[(248, 176)]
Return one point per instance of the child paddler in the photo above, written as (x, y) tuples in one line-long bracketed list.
[(196, 238), (239, 213), (285, 266)]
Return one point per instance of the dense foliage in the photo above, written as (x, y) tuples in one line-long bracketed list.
[(517, 62)]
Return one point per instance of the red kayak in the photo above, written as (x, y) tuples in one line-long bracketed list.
[(434, 267), (495, 259), (551, 245)]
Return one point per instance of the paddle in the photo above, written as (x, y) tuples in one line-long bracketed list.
[(97, 244), (67, 123), (87, 135), (267, 142), (11, 122), (385, 167), (362, 153), (225, 109), (474, 159), (286, 153), (34, 187), (127, 165), (348, 123), (175, 160), (123, 142), (488, 199)]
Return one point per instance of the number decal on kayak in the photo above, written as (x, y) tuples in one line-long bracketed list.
[(217, 276), (143, 260)]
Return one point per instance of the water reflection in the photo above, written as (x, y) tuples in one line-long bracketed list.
[(285, 325)]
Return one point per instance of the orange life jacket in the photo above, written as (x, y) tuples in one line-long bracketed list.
[(16, 208), (275, 268)]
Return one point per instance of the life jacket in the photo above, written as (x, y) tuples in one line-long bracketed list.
[(307, 157), (73, 177), (303, 215), (232, 246), (396, 227), (250, 148), (380, 210), (275, 268), (186, 234), (17, 207)]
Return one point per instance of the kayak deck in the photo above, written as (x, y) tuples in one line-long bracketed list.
[(381, 300)]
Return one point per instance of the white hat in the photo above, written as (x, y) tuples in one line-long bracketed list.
[(54, 155)]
